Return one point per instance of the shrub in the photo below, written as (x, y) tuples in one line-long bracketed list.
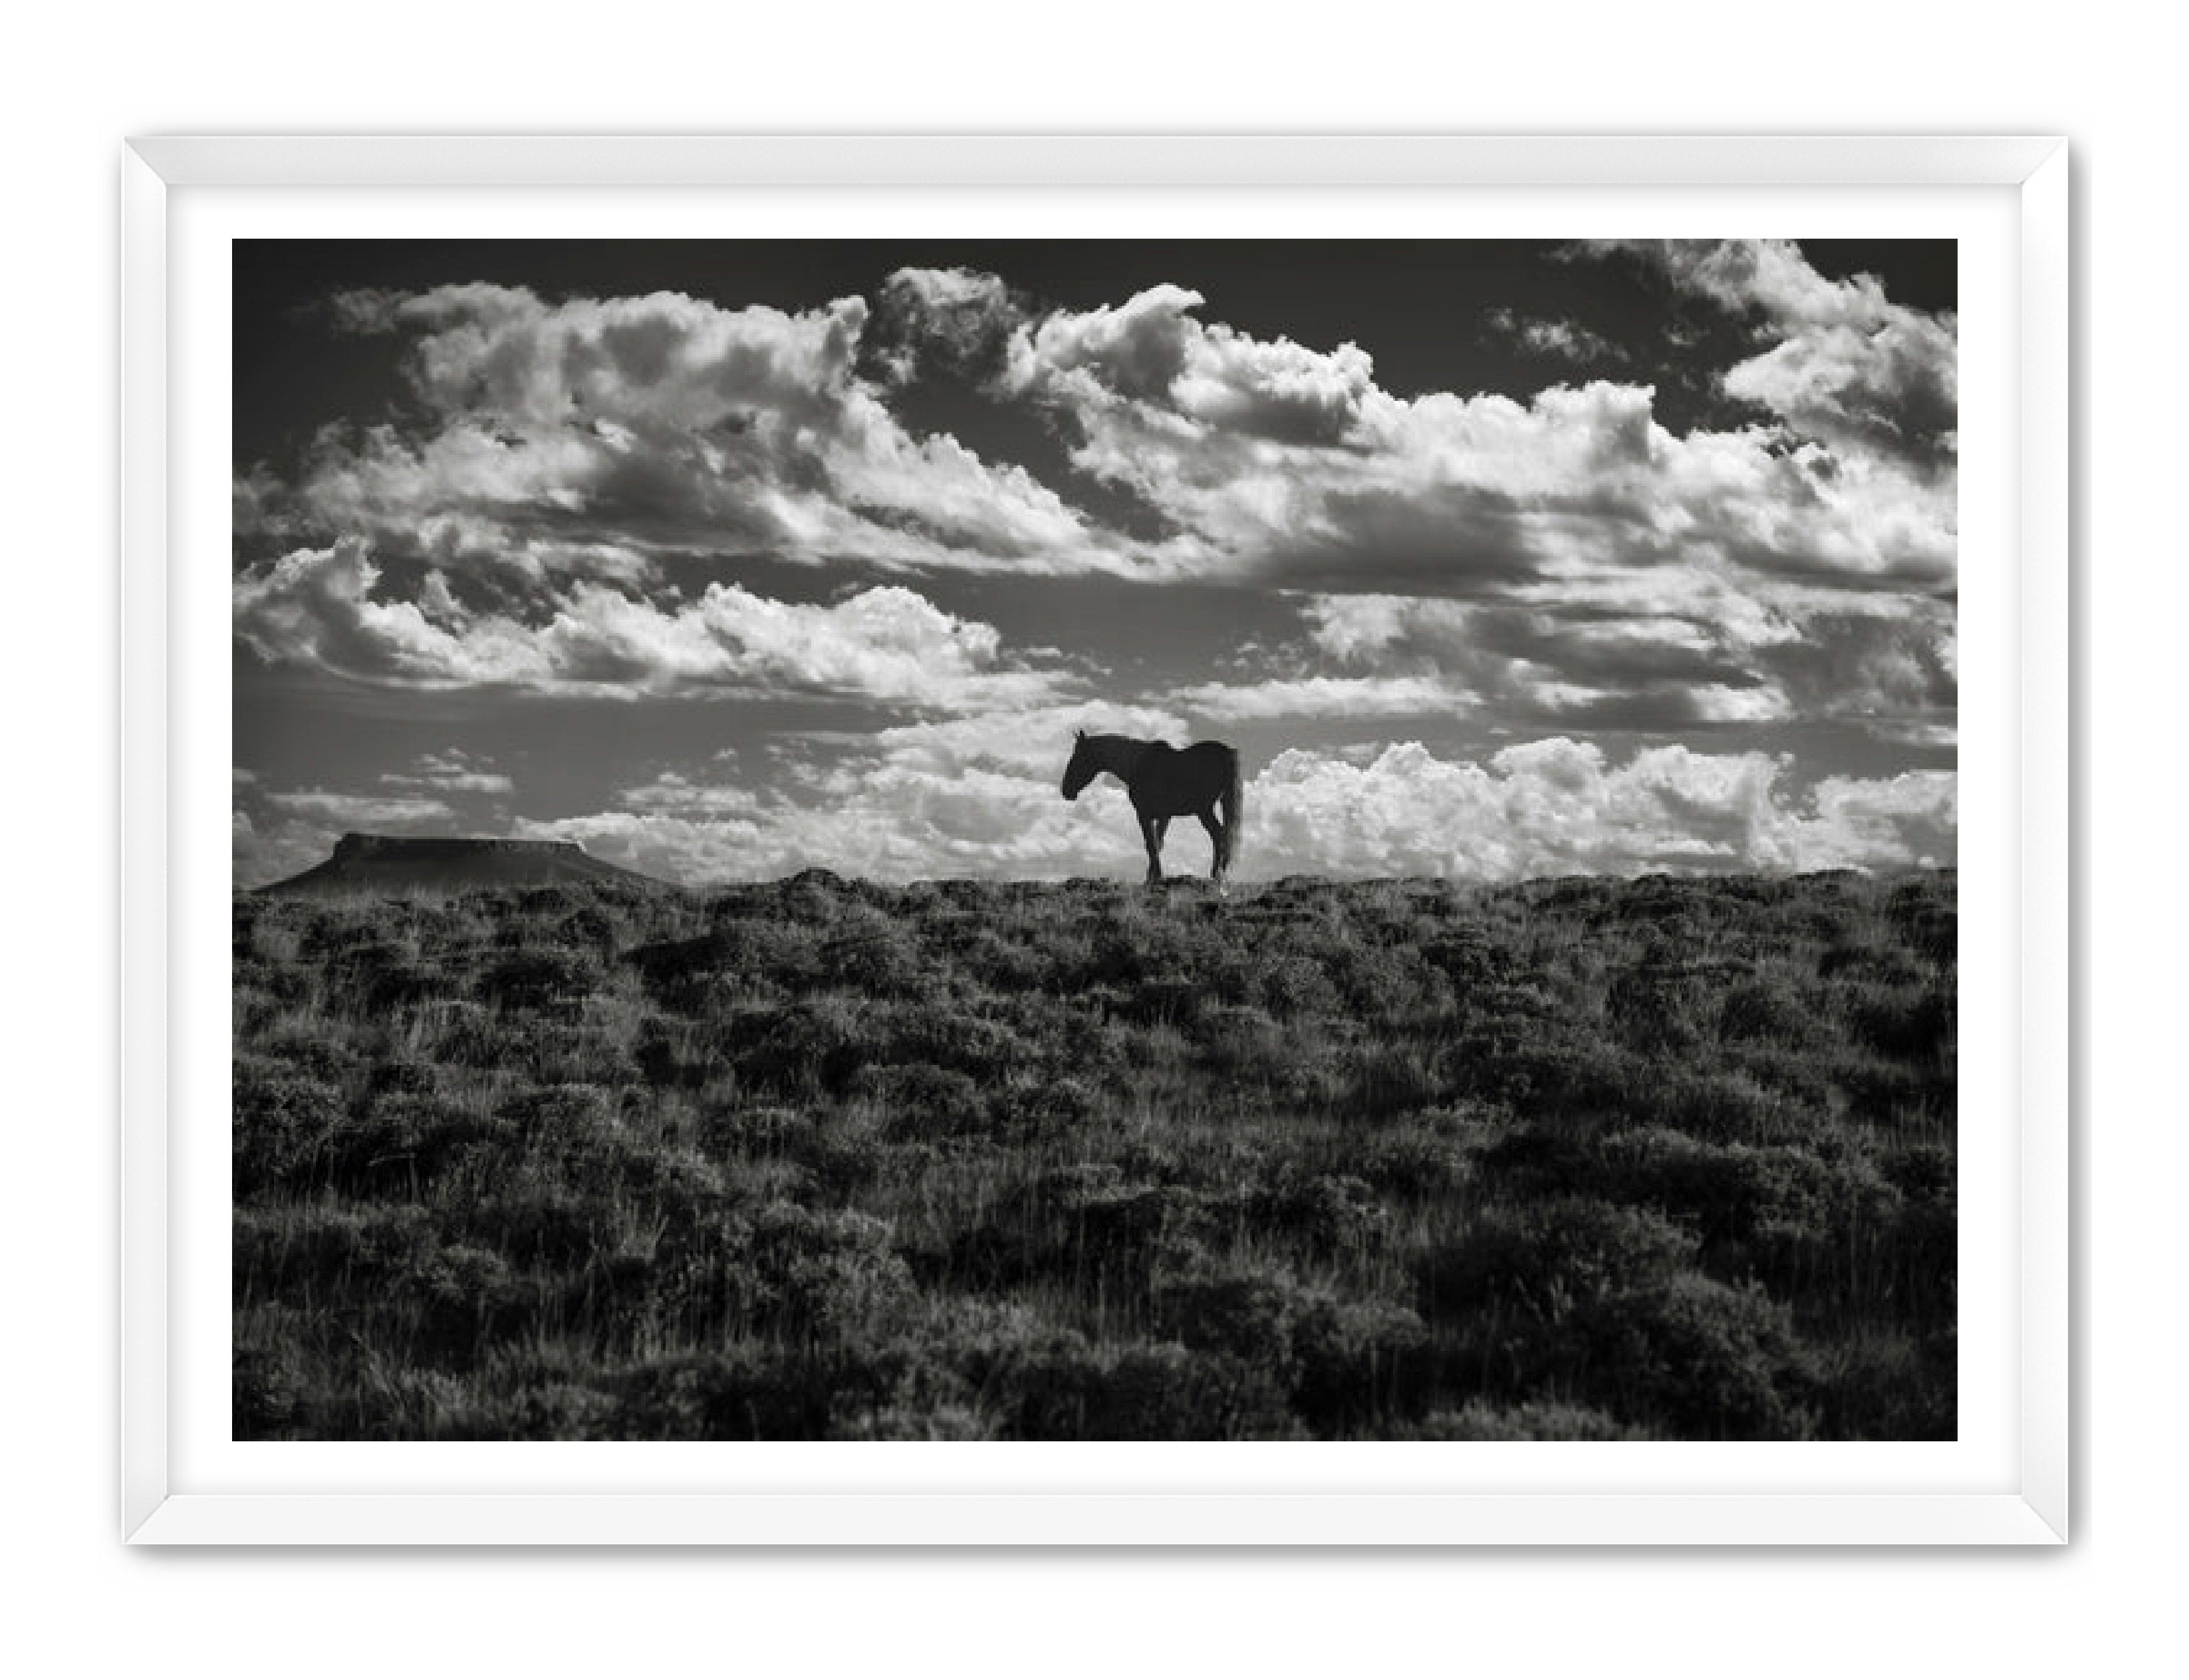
[(1330, 1214), (1416, 1165), (280, 1123), (1339, 1364), (403, 1142), (541, 978), (788, 1272), (1563, 1160), (919, 1100), (459, 1032), (944, 1036), (1759, 1011), (401, 984), (1724, 1191), (1042, 1107), (547, 1222), (842, 1157), (546, 1411), (291, 1255), (1851, 962), (1164, 1002), (1389, 1078), (1722, 1107), (1529, 1421), (804, 1050), (570, 1120), (1069, 1389), (899, 1422), (828, 1273), (1547, 1260), (462, 1296), (1359, 1364), (1711, 1361), (267, 1388), (1293, 985), (877, 958), (1888, 1387), (1086, 1225), (1904, 1024), (765, 1131), (746, 1393)]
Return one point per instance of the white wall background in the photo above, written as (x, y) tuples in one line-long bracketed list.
[(80, 78)]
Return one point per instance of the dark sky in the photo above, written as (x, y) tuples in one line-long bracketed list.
[(1411, 304), (687, 548)]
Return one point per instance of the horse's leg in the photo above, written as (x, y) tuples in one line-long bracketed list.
[(1216, 838), (1152, 832)]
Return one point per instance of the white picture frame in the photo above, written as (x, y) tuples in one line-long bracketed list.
[(2027, 1503)]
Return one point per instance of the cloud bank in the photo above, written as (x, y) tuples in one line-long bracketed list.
[(923, 806)]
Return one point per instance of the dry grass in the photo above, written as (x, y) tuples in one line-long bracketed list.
[(1576, 1159)]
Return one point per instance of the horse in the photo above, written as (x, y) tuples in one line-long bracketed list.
[(1164, 782)]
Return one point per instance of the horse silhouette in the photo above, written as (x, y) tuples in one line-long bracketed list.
[(1164, 782)]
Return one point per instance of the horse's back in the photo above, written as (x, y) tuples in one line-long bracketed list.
[(1193, 777)]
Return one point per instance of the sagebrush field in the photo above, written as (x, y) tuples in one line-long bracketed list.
[(1576, 1159)]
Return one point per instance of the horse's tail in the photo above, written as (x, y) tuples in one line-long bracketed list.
[(1235, 806)]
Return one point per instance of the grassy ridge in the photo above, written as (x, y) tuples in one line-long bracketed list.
[(1577, 1159)]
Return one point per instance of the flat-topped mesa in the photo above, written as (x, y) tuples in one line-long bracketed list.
[(404, 866), (429, 847)]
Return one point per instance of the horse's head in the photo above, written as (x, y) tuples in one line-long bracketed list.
[(1082, 769)]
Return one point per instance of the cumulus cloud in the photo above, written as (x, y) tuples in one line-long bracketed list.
[(1844, 363), (886, 820), (1322, 477), (1559, 805), (1322, 697), (567, 460), (956, 321), (322, 607), (605, 437), (1030, 743), (360, 811), (914, 808), (1558, 336), (453, 771), (674, 794), (1686, 651), (564, 459)]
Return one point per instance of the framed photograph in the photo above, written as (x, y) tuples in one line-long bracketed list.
[(1123, 841)]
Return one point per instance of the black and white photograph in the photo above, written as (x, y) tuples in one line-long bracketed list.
[(1095, 840)]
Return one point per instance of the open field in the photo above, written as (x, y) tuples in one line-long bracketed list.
[(1576, 1159)]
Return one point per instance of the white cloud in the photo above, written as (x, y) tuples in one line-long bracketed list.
[(360, 811), (1323, 697), (913, 809), (1560, 562), (886, 644), (675, 795), (454, 772), (1668, 648), (603, 437), (1031, 743), (1849, 366), (1557, 807), (1558, 335)]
